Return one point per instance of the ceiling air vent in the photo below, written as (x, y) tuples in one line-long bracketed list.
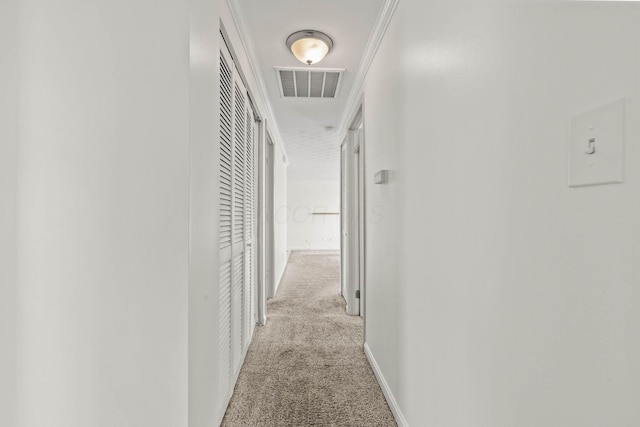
[(306, 83)]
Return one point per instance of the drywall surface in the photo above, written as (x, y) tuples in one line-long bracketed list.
[(8, 185), (280, 205), (204, 208), (313, 215), (103, 213), (497, 295), (382, 210)]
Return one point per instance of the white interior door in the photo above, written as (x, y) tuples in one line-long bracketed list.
[(237, 224), (225, 229), (250, 285), (239, 221), (350, 223)]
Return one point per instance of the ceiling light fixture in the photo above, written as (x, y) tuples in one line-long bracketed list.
[(309, 46)]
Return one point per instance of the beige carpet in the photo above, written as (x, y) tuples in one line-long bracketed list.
[(306, 367)]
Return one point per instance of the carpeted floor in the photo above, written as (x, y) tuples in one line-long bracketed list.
[(306, 367)]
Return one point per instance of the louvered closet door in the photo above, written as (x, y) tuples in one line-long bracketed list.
[(239, 289), (225, 368), (237, 224), (250, 230)]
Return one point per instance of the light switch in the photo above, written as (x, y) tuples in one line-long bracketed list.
[(597, 146)]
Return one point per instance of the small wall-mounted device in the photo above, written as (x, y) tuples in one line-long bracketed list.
[(596, 149), (381, 177)]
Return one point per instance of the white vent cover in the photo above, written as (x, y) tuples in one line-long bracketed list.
[(309, 83)]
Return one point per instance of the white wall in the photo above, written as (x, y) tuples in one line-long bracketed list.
[(518, 295), (313, 232), (117, 238), (103, 213), (280, 204), (204, 270), (8, 184)]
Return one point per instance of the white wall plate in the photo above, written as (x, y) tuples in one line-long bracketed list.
[(597, 146)]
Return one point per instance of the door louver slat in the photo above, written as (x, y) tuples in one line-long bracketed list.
[(250, 221), (225, 153), (238, 306), (225, 328), (238, 164)]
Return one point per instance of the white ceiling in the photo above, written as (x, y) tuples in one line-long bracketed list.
[(313, 151)]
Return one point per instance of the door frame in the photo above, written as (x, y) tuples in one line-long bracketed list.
[(261, 306), (343, 251), (352, 177), (265, 222), (267, 213), (361, 214)]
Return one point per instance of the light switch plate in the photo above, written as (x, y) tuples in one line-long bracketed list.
[(597, 146)]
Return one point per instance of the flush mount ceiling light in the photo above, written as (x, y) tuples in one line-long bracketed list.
[(309, 46)]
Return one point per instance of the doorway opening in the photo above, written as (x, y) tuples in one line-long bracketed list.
[(352, 217), (267, 210)]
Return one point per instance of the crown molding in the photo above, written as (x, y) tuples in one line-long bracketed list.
[(240, 21), (375, 39)]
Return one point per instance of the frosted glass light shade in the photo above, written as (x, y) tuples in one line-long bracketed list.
[(309, 50), (309, 46)]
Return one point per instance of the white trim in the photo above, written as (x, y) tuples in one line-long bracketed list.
[(261, 303), (351, 234), (321, 70), (391, 400), (270, 280), (362, 220), (300, 249), (284, 268), (375, 39), (242, 26), (325, 251)]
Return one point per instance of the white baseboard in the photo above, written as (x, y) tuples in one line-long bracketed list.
[(307, 249), (391, 400), (281, 275)]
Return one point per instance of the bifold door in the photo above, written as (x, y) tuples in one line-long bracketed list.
[(237, 224)]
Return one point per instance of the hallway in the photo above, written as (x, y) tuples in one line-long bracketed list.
[(160, 160), (306, 366)]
